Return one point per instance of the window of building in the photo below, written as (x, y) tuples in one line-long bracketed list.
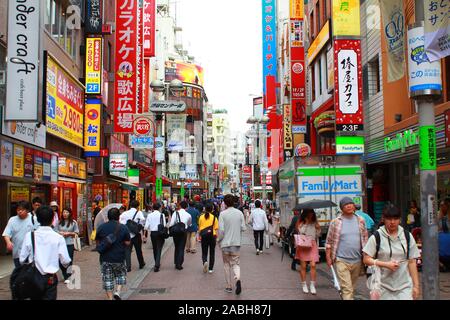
[(374, 76), (365, 81), (319, 61), (317, 14), (312, 32), (58, 22), (109, 57), (313, 83)]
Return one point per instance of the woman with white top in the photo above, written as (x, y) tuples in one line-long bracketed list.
[(308, 226), (68, 228)]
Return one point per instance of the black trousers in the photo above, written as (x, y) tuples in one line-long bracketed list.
[(180, 242), (157, 244), (70, 250), (209, 243), (136, 242), (259, 239)]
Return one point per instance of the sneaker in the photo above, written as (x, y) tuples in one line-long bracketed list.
[(305, 287), (156, 269), (238, 287), (142, 266), (312, 288), (205, 266), (67, 281), (210, 271), (228, 290), (117, 296), (257, 252)]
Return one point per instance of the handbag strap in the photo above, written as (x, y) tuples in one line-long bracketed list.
[(161, 219), (178, 217)]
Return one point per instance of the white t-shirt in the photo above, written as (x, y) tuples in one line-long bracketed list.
[(128, 215)]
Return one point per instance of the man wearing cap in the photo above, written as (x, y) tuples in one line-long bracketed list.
[(347, 235)]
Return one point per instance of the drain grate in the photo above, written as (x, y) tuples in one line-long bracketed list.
[(153, 291)]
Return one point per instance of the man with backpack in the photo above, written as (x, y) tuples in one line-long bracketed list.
[(135, 222), (179, 223), (155, 224), (113, 239)]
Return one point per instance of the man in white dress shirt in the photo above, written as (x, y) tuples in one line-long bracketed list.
[(136, 239), (259, 222), (49, 250), (154, 219), (180, 239)]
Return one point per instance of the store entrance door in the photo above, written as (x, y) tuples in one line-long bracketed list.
[(67, 197)]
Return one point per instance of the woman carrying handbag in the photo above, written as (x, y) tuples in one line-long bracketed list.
[(307, 250), (68, 228)]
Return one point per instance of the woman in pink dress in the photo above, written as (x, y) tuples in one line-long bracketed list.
[(308, 226)]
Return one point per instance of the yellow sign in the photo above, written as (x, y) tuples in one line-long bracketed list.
[(346, 18), (287, 127), (20, 194), (92, 128), (18, 161), (319, 42), (71, 168), (297, 9), (65, 104), (93, 65)]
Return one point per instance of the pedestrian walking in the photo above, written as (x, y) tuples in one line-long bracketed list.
[(413, 215), (17, 228), (68, 228), (231, 226), (370, 224), (112, 257), (394, 250), (191, 236), (179, 239), (308, 251), (136, 218), (35, 204), (55, 207), (48, 253), (154, 219), (444, 216), (208, 225), (347, 235), (259, 222), (95, 210)]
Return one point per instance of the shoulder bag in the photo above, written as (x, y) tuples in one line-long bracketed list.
[(77, 243), (178, 228), (208, 231), (26, 280), (133, 226), (302, 241), (162, 230), (106, 243)]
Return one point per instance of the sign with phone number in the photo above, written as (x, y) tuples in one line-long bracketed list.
[(65, 104)]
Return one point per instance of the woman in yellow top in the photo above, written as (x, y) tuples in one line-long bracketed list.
[(208, 225)]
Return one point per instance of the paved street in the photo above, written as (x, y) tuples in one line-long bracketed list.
[(264, 277)]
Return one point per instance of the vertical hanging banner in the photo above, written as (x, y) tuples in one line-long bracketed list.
[(92, 128), (93, 65), (298, 78), (140, 55), (93, 20), (145, 86), (269, 18), (346, 18), (394, 33), (149, 28), (23, 61), (287, 132), (348, 85), (125, 67), (437, 29)]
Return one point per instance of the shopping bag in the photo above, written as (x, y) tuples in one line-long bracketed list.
[(77, 243), (267, 240), (93, 234)]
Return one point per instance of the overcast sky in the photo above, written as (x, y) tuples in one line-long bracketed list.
[(225, 38)]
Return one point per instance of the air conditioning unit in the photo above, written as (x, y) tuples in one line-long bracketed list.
[(2, 77)]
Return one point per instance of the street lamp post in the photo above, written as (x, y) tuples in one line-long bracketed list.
[(175, 86), (261, 128)]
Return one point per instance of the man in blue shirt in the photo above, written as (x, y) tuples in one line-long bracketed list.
[(191, 241), (367, 219)]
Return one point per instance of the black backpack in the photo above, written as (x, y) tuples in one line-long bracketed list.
[(378, 242), (133, 226)]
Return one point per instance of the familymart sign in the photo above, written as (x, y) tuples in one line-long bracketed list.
[(401, 141)]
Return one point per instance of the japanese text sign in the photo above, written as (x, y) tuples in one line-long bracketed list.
[(348, 85), (125, 104), (346, 18), (65, 104), (118, 162), (93, 65), (149, 28), (287, 128), (427, 148), (92, 128), (296, 9), (93, 20), (269, 19), (437, 28)]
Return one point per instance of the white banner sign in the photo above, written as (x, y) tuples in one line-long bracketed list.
[(348, 81), (6, 159), (23, 60), (437, 29), (160, 149), (141, 142), (118, 162), (25, 131)]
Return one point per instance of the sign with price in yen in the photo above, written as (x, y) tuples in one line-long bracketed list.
[(158, 186)]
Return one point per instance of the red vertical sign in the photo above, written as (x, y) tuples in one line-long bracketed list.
[(149, 28), (298, 79), (145, 86), (125, 66), (140, 58)]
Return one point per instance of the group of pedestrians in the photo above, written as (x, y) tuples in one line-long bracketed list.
[(38, 234)]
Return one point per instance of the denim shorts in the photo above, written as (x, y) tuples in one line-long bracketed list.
[(113, 273)]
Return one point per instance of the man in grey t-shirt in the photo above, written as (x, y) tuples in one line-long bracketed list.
[(17, 228)]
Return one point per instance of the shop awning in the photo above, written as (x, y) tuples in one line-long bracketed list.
[(125, 185)]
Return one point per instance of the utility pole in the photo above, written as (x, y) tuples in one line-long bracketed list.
[(427, 131)]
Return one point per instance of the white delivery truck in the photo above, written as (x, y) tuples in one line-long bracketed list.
[(319, 178)]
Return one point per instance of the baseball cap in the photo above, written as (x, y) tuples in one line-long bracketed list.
[(344, 201), (54, 203)]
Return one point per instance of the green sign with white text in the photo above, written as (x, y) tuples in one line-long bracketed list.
[(401, 141), (427, 148), (158, 186)]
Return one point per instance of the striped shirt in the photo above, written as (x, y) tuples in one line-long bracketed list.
[(334, 235)]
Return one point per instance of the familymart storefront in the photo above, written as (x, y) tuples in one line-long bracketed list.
[(393, 168)]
